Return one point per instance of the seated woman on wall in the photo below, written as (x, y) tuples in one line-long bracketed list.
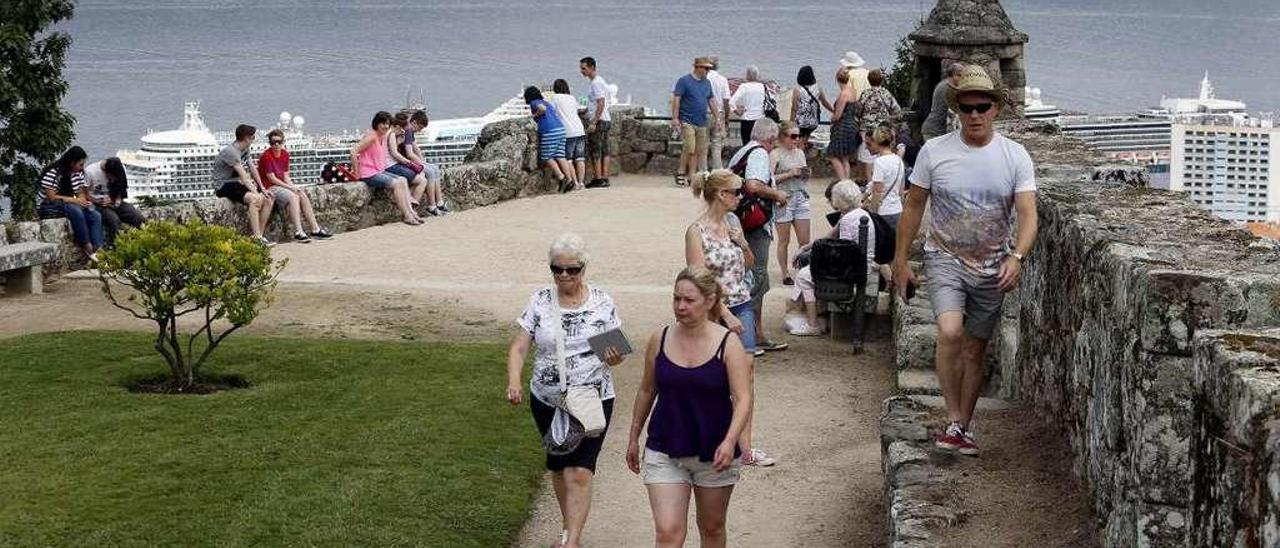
[(108, 187), (65, 194), (371, 160), (550, 137), (846, 198), (405, 167)]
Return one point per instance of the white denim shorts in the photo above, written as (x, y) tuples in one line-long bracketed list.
[(658, 467)]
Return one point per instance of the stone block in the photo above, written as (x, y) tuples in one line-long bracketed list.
[(1157, 401), (653, 147), (661, 165), (653, 130), (674, 149), (25, 231), (915, 347), (633, 162), (1181, 302)]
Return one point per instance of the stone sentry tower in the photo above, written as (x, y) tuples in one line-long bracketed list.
[(972, 31)]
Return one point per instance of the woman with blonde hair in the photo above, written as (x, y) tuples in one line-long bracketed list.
[(790, 169), (700, 376), (888, 176), (716, 242), (559, 320)]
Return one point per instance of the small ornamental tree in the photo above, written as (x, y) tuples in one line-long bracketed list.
[(174, 270), (898, 80)]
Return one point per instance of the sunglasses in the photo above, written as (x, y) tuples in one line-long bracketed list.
[(980, 108), (570, 270), (277, 142), (734, 191), (793, 135)]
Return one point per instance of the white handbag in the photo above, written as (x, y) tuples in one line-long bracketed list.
[(582, 402)]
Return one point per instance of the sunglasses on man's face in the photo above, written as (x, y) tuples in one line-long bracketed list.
[(277, 142), (980, 108), (570, 270)]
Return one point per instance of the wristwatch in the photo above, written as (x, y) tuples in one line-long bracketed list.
[(1017, 255)]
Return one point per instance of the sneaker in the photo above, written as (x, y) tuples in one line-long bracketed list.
[(301, 237), (264, 241), (951, 438), (757, 352), (604, 183), (434, 211), (757, 457), (807, 330), (596, 183), (443, 208), (968, 445), (321, 234), (771, 346)]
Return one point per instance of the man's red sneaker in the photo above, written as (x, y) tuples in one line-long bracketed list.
[(952, 438), (968, 446)]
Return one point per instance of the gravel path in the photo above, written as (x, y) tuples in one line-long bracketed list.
[(466, 276)]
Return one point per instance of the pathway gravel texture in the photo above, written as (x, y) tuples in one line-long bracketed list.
[(466, 276)]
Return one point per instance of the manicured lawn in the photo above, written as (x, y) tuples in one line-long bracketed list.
[(338, 443)]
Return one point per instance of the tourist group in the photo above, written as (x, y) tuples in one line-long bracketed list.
[(697, 394)]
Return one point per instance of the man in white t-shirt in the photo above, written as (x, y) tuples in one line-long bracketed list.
[(720, 94), (973, 181), (598, 123)]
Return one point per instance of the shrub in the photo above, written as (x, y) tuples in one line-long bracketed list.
[(173, 270)]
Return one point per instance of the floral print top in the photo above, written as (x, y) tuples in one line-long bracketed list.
[(727, 261)]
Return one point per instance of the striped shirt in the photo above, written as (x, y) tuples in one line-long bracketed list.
[(50, 181)]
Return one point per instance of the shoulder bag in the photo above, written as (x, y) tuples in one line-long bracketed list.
[(582, 402)]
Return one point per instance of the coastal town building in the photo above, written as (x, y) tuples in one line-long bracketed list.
[(1228, 170)]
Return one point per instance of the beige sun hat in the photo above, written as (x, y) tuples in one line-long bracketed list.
[(852, 60), (704, 62), (973, 79)]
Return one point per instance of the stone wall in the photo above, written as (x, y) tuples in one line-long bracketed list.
[(503, 166), (1101, 338)]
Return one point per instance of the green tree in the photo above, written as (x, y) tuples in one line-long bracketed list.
[(898, 80), (172, 270), (34, 129)]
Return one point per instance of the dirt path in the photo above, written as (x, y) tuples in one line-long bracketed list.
[(468, 275)]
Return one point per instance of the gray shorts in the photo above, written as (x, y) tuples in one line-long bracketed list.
[(659, 467), (283, 196), (953, 288), (758, 241)]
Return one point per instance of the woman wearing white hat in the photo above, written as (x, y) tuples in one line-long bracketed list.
[(857, 72)]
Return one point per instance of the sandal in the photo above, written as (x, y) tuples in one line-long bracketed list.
[(681, 180), (788, 281), (564, 184)]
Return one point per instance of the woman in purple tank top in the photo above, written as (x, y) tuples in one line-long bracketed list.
[(699, 373)]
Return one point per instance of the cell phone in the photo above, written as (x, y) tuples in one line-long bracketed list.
[(911, 291)]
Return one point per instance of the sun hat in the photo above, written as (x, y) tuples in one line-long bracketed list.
[(703, 62), (852, 60), (973, 79)]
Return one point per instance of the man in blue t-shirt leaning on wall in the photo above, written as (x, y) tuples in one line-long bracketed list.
[(691, 99)]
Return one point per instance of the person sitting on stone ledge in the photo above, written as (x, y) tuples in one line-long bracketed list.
[(235, 180), (108, 187), (65, 194), (403, 166), (550, 138), (409, 149), (845, 198), (273, 171), (371, 158)]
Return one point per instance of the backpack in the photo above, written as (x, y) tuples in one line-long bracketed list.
[(886, 239), (834, 259), (752, 211)]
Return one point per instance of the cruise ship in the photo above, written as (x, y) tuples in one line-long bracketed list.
[(175, 165)]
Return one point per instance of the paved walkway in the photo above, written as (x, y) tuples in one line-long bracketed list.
[(469, 274)]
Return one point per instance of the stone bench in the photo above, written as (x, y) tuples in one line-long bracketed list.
[(22, 264)]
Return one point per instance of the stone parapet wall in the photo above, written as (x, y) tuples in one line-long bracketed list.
[(1101, 338), (503, 166)]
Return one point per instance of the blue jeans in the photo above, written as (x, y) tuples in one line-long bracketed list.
[(86, 222), (747, 316)]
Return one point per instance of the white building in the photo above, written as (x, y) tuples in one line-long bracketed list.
[(1230, 170)]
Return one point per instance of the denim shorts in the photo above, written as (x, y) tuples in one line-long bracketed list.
[(575, 148), (379, 180), (797, 208), (747, 315), (282, 195), (401, 170), (433, 172)]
